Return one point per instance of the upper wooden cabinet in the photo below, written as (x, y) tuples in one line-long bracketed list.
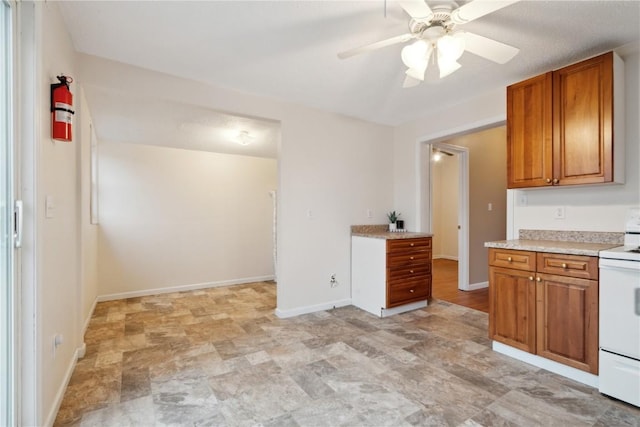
[(561, 126)]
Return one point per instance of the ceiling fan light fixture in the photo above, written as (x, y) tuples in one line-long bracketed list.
[(416, 73), (447, 67), (243, 138), (451, 46), (416, 55)]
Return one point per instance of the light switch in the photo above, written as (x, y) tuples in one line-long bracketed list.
[(49, 207)]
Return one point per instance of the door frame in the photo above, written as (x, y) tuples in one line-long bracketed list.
[(424, 189), (462, 157)]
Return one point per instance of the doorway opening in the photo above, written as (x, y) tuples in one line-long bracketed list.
[(463, 204)]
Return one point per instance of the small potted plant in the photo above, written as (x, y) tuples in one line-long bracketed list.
[(393, 217)]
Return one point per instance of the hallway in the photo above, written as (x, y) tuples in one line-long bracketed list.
[(445, 287)]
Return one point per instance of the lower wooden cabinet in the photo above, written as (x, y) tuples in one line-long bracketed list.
[(552, 315), (512, 308), (389, 276), (408, 271), (567, 321)]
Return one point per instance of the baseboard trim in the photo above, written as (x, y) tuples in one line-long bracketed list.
[(550, 365), (182, 288), (283, 314), (53, 413), (479, 285), (88, 319)]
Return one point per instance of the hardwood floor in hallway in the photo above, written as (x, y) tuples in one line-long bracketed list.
[(445, 287)]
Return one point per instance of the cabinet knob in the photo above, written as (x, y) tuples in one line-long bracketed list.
[(410, 257), (531, 278), (564, 265), (411, 245), (411, 290), (509, 259), (556, 180), (538, 279), (411, 271), (548, 180)]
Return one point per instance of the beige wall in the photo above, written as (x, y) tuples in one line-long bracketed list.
[(62, 250), (487, 184), (179, 218), (445, 175), (335, 167)]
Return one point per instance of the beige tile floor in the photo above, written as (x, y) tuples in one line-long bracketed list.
[(220, 357)]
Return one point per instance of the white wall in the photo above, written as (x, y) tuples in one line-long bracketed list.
[(88, 232), (330, 166), (174, 218), (588, 208)]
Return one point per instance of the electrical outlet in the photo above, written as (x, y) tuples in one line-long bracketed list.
[(558, 212), (369, 213)]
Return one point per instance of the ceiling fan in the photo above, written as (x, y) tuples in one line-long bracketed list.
[(435, 29)]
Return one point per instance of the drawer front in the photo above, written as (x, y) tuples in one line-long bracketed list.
[(418, 258), (409, 291), (517, 260), (584, 267), (408, 245), (408, 272)]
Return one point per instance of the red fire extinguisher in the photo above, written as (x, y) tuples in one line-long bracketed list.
[(61, 109)]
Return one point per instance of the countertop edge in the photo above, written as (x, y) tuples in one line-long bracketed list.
[(388, 235), (551, 246)]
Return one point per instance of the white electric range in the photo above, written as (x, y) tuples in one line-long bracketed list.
[(619, 307)]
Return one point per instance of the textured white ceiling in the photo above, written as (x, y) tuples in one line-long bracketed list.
[(287, 49)]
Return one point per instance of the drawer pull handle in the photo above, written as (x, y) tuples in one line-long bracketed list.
[(411, 290), (564, 265), (509, 259)]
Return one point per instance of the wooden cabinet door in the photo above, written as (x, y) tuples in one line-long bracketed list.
[(512, 308), (530, 133), (567, 321), (583, 122)]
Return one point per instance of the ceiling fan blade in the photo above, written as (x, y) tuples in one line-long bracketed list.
[(410, 82), (477, 8), (373, 46), (417, 9), (488, 48)]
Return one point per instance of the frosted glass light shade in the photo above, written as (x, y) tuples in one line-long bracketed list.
[(451, 46), (416, 55), (446, 65)]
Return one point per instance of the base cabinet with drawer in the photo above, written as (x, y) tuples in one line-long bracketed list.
[(390, 276), (545, 304)]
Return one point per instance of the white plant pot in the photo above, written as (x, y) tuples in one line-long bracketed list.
[(392, 226)]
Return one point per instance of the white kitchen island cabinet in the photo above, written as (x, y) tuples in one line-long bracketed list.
[(390, 272)]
